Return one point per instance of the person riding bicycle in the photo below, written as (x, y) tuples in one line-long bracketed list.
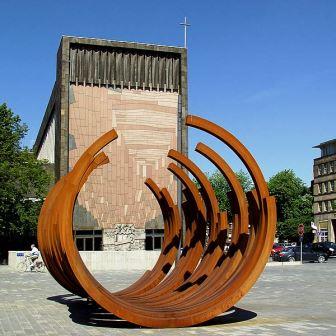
[(34, 254)]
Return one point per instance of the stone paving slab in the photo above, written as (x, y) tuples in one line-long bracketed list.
[(296, 300)]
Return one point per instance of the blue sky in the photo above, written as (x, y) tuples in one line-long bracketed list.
[(265, 70)]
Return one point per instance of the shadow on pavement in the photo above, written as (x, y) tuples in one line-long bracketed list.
[(89, 313)]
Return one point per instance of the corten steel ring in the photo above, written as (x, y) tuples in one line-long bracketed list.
[(206, 279)]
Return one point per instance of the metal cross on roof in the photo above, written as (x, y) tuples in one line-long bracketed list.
[(185, 24)]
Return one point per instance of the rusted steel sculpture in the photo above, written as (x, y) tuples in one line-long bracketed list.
[(206, 279)]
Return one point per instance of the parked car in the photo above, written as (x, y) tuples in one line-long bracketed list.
[(327, 247), (293, 254), (332, 248), (278, 247)]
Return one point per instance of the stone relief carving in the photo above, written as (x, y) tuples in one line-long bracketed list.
[(121, 237)]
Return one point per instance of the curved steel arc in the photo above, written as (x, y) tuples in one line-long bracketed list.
[(194, 243), (47, 211), (267, 214), (236, 146), (192, 250), (205, 281), (204, 275), (255, 178), (206, 190), (210, 278), (172, 226)]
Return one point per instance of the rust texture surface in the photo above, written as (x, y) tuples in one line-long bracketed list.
[(181, 290)]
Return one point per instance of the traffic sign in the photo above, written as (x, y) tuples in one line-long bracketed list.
[(301, 229)]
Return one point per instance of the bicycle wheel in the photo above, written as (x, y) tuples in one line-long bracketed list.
[(21, 266), (40, 267)]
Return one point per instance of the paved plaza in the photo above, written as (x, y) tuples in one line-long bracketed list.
[(289, 300)]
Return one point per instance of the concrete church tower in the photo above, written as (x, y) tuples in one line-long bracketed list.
[(141, 91)]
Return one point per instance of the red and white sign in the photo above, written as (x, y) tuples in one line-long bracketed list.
[(301, 229)]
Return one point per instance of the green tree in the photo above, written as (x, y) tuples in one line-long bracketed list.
[(294, 204), (222, 188), (24, 181)]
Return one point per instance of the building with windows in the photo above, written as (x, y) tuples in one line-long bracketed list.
[(324, 191), (140, 90)]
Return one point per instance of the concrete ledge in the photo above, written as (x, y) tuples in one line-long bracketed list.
[(120, 260), (286, 263), (105, 260)]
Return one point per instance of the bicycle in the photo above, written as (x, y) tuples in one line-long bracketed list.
[(24, 265)]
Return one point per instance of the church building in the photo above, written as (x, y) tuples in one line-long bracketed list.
[(140, 90)]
